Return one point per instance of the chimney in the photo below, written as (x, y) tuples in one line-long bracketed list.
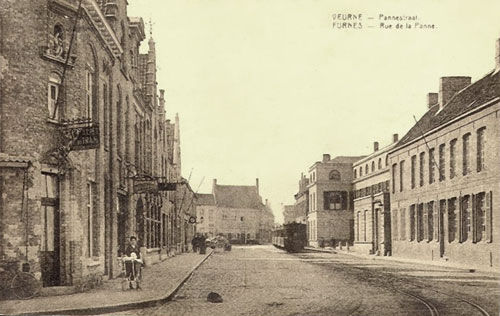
[(257, 184), (395, 138), (375, 146), (497, 56), (326, 157), (449, 86), (215, 182), (432, 99)]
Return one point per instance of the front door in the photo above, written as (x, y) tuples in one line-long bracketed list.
[(376, 230), (50, 253)]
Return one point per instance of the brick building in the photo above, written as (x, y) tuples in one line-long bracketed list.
[(236, 212), (445, 176), (329, 215), (82, 131), (372, 224)]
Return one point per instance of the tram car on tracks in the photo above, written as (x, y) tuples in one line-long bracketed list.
[(291, 237)]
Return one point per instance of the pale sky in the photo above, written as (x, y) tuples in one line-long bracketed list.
[(264, 87)]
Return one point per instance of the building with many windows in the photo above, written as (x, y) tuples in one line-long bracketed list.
[(445, 176), (86, 151), (236, 212), (329, 215), (372, 225)]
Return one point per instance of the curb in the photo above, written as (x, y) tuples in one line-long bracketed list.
[(126, 306), (477, 269)]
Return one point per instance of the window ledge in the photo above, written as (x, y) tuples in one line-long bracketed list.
[(149, 250)]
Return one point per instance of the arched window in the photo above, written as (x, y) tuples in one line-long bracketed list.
[(52, 95), (355, 173), (366, 169), (373, 166), (334, 175), (361, 171), (380, 163)]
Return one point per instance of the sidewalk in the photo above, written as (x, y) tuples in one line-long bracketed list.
[(438, 263), (160, 283)]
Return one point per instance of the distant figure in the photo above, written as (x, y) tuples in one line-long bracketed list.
[(195, 243)]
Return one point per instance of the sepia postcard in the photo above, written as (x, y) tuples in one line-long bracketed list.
[(250, 157)]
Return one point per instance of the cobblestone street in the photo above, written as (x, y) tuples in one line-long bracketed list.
[(263, 280)]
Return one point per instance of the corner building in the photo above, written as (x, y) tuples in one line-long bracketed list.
[(330, 211), (80, 123), (372, 225), (445, 177)]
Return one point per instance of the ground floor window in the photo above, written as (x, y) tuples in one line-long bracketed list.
[(430, 221), (395, 223), (420, 222), (412, 222), (153, 225), (452, 219), (465, 218), (402, 227), (364, 224)]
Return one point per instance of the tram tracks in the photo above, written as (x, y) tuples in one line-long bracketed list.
[(435, 301)]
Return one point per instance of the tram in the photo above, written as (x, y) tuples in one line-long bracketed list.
[(291, 237)]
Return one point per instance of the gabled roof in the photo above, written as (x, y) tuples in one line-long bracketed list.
[(205, 199), (237, 196), (473, 96)]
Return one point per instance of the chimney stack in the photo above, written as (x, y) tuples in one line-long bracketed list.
[(375, 146), (257, 184), (432, 99), (497, 56), (395, 138), (215, 182), (449, 86), (326, 157)]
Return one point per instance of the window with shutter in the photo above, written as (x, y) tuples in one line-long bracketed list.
[(489, 216), (480, 217), (452, 219), (437, 218), (430, 220)]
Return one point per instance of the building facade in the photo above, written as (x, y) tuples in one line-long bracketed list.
[(235, 212), (372, 225), (82, 131), (445, 176), (330, 210)]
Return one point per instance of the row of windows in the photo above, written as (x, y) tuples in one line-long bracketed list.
[(367, 170), (468, 217), (373, 189), (439, 164)]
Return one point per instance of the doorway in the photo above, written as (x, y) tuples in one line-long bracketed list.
[(51, 231), (376, 230)]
